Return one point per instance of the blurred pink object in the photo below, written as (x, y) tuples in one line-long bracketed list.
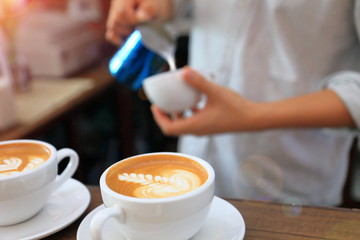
[(7, 99)]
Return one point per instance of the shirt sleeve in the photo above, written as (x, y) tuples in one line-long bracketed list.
[(347, 86)]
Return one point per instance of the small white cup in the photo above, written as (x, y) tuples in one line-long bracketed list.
[(176, 218), (23, 194), (170, 92)]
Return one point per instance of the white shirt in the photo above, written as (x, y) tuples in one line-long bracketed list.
[(268, 50)]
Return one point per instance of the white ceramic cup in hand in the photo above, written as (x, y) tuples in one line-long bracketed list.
[(155, 196), (28, 176), (170, 92)]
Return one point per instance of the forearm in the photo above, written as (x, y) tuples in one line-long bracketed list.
[(320, 109), (227, 111)]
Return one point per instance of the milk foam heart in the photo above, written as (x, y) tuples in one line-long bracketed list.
[(16, 158), (171, 183), (11, 164), (159, 176), (15, 165)]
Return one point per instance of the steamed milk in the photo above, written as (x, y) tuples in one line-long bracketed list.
[(19, 157), (156, 176)]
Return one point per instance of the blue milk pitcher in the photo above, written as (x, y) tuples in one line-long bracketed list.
[(133, 62)]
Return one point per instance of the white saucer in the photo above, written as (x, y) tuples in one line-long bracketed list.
[(224, 222), (63, 208)]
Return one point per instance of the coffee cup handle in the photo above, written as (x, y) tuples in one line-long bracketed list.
[(101, 217), (70, 168)]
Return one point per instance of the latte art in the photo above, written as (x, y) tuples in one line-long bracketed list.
[(173, 183), (156, 176), (11, 164), (17, 158), (15, 165)]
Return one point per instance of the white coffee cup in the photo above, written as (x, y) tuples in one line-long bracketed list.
[(177, 217), (24, 193), (170, 92)]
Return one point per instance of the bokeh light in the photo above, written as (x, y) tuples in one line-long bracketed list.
[(292, 207), (258, 177), (11, 12), (15, 8)]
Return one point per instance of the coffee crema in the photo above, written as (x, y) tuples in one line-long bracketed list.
[(156, 176), (19, 157)]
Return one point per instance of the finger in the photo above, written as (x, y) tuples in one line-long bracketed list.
[(195, 110), (153, 10), (175, 116), (198, 81), (161, 118), (129, 14), (146, 12), (114, 38), (172, 127), (119, 34), (123, 30), (121, 19), (115, 14), (142, 15)]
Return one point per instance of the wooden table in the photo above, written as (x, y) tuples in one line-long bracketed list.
[(270, 221)]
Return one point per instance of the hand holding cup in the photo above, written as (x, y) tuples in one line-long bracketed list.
[(170, 92)]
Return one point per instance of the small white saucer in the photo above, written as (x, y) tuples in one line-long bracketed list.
[(224, 222), (64, 206)]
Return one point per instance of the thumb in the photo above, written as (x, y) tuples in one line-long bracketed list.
[(199, 82), (143, 15)]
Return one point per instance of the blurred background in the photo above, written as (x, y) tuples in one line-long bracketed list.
[(52, 47), (55, 86)]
